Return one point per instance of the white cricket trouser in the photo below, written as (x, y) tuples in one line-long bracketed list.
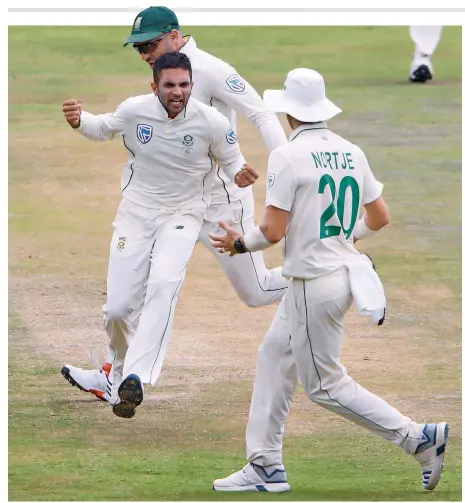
[(315, 311), (149, 253), (255, 285), (425, 38), (275, 381)]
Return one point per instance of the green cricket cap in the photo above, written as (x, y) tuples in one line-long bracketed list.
[(152, 22)]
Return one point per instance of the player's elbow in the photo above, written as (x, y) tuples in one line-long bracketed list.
[(382, 218), (377, 214), (385, 220), (274, 238), (257, 118), (272, 234), (274, 224)]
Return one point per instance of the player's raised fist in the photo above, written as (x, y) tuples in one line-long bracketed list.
[(72, 112)]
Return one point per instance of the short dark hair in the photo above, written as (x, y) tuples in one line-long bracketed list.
[(171, 60)]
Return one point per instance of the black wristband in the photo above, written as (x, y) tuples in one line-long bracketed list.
[(238, 246)]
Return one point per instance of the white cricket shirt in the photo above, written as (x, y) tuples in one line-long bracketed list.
[(322, 180), (171, 161), (216, 83)]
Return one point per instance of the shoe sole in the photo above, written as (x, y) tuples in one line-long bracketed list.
[(66, 373), (131, 395), (441, 442), (278, 487), (421, 74)]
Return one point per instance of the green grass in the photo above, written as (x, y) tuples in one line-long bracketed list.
[(87, 456), (63, 193)]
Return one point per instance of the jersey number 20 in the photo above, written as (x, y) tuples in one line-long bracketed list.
[(338, 206)]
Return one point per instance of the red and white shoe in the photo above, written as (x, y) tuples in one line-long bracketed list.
[(92, 381)]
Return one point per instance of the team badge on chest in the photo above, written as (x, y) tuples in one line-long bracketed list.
[(188, 143), (144, 133)]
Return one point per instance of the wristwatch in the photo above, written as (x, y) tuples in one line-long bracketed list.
[(238, 246)]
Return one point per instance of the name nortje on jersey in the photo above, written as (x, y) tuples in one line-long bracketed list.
[(333, 160)]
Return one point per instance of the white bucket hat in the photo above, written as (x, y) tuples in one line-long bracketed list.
[(303, 97)]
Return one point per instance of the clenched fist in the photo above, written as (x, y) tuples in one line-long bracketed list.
[(72, 111), (246, 176)]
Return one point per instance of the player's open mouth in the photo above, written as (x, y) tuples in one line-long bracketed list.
[(177, 103)]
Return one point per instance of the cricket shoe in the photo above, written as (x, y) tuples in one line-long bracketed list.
[(421, 68), (92, 381), (255, 478), (430, 453), (130, 396)]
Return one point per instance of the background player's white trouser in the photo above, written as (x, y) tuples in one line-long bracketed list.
[(145, 274), (425, 38), (254, 283), (315, 310)]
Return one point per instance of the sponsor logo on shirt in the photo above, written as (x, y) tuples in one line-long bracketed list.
[(144, 133), (231, 137), (271, 178), (235, 83)]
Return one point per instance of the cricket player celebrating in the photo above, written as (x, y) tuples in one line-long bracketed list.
[(155, 31), (171, 140), (317, 184)]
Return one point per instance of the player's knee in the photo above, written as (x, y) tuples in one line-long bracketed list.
[(273, 352), (163, 284), (118, 311), (328, 390), (252, 298)]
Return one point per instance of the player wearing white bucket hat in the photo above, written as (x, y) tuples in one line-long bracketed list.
[(303, 97), (317, 184)]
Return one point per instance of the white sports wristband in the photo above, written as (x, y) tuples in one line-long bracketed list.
[(255, 240), (361, 231)]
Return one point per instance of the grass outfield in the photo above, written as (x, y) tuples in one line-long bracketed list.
[(63, 193)]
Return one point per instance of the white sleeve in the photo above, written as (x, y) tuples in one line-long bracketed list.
[(372, 189), (224, 146), (281, 182), (229, 87), (104, 126)]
